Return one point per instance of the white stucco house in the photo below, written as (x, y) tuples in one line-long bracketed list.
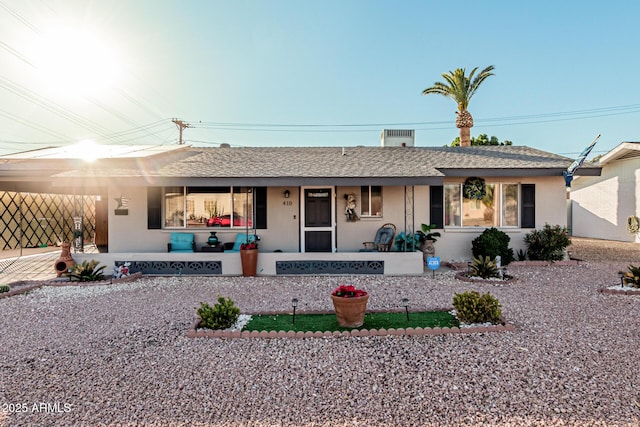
[(602, 206), (295, 200)]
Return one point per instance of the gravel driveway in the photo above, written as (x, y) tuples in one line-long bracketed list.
[(119, 355)]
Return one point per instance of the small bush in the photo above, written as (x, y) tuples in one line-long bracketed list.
[(484, 267), (223, 315), (547, 244), (471, 307), (522, 255), (88, 271), (4, 288), (493, 242), (631, 277)]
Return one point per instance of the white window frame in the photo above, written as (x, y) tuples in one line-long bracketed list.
[(184, 208), (499, 208), (369, 198)]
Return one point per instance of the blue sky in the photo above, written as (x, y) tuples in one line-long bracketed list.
[(324, 73)]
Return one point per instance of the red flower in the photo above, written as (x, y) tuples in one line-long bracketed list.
[(246, 246), (348, 291)]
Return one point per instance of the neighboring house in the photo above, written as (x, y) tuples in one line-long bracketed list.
[(296, 199), (602, 205)]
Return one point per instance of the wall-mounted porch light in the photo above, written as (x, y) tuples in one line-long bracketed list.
[(287, 193)]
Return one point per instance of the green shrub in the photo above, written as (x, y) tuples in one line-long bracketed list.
[(547, 244), (484, 267), (471, 307), (223, 315), (522, 255), (88, 271), (4, 288), (632, 276), (493, 242)]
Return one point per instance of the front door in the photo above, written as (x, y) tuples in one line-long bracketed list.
[(317, 224)]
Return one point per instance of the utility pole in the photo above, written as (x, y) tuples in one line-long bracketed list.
[(181, 126)]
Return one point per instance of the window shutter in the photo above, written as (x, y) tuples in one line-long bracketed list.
[(528, 211), (436, 210), (154, 208), (261, 207)]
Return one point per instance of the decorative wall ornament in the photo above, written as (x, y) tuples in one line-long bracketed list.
[(474, 188), (123, 205), (633, 224), (350, 210)]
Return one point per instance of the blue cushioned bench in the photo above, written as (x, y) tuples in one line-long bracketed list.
[(182, 242), (240, 239)]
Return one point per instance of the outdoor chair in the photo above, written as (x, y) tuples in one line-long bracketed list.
[(240, 239), (382, 241), (182, 242)]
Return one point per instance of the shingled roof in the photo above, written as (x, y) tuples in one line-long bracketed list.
[(321, 165)]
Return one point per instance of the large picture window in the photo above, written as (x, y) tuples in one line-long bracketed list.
[(195, 207), (371, 200), (498, 208)]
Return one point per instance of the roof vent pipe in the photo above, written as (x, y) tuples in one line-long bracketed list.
[(225, 145)]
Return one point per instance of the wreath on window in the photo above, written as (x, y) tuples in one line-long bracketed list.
[(474, 188)]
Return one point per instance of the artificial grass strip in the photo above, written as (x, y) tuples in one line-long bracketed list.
[(328, 322)]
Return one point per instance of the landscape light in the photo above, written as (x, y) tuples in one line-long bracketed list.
[(621, 276), (405, 303), (294, 304)]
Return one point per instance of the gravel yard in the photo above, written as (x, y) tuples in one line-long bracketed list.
[(119, 355)]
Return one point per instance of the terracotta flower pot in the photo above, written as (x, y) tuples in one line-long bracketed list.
[(350, 311), (249, 259)]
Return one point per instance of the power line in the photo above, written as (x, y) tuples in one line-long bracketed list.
[(20, 18), (524, 119), (115, 137), (52, 107), (31, 124), (69, 115)]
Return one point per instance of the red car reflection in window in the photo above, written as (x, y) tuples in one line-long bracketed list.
[(225, 221)]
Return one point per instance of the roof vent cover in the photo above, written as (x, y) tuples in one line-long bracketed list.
[(398, 138)]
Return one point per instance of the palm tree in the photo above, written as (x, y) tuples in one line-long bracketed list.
[(461, 88)]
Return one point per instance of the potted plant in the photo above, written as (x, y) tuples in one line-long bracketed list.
[(350, 305), (406, 242), (249, 256), (422, 240), (426, 239)]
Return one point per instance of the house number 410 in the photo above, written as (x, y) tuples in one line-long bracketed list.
[(288, 203)]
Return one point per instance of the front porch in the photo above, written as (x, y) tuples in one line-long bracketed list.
[(269, 263)]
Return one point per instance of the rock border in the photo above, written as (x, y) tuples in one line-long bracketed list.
[(462, 276), (608, 291), (459, 266), (571, 262), (194, 332), (58, 283), (21, 290), (112, 281)]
